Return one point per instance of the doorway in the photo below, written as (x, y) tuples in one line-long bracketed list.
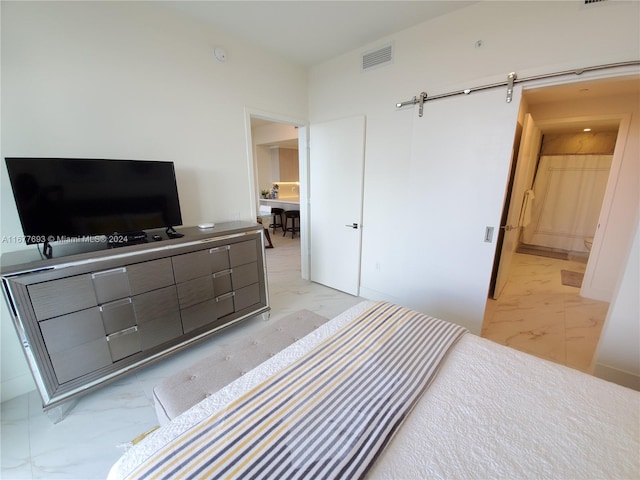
[(277, 168), (537, 312)]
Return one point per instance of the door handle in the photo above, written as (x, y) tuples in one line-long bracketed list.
[(353, 225), (507, 228)]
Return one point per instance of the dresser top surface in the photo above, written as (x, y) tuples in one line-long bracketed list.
[(73, 252)]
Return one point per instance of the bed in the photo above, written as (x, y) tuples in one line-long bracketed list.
[(480, 410)]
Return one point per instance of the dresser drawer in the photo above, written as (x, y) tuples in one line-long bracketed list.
[(247, 296), (80, 360), (195, 291), (111, 284), (157, 306), (222, 282), (160, 330), (219, 258), (152, 275), (199, 315), (117, 315), (69, 331), (57, 297), (244, 275), (243, 252), (124, 343), (225, 304), (191, 265), (76, 343)]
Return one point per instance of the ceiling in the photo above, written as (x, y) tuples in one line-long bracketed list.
[(583, 90), (311, 32), (292, 143)]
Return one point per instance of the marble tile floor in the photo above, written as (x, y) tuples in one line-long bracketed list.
[(91, 438), (536, 314)]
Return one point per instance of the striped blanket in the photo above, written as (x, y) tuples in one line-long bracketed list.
[(327, 415)]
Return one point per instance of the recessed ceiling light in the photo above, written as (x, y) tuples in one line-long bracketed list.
[(586, 130)]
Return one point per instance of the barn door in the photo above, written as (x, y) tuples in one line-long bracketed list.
[(461, 154)]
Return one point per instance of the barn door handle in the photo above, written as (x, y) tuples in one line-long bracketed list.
[(353, 225)]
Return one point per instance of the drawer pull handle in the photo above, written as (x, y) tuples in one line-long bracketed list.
[(116, 304), (222, 273), (109, 272), (126, 331), (225, 296), (219, 249)]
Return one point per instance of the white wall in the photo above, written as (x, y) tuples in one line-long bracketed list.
[(618, 357), (133, 80), (264, 170), (440, 56), (272, 133), (267, 171)]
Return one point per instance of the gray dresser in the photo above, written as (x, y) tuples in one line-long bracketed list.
[(86, 318)]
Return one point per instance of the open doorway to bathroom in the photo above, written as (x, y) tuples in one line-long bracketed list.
[(542, 308), (567, 191)]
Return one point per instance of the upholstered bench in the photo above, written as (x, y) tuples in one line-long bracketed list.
[(237, 352)]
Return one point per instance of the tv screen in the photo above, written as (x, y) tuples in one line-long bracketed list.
[(71, 197)]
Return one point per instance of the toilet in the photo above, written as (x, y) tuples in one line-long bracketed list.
[(588, 243)]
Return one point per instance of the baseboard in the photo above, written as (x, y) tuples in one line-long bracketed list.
[(14, 387), (620, 377), (370, 294)]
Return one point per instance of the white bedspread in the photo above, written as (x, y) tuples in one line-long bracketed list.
[(492, 412)]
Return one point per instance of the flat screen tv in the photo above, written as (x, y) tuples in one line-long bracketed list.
[(60, 198)]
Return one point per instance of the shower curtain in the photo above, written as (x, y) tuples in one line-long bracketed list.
[(569, 190)]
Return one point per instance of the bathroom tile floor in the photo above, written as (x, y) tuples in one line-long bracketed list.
[(537, 314)]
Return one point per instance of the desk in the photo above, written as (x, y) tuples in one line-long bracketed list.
[(284, 203)]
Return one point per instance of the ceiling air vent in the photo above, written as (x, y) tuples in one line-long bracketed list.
[(377, 58)]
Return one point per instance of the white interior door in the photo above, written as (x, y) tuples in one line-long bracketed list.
[(517, 217), (336, 177)]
